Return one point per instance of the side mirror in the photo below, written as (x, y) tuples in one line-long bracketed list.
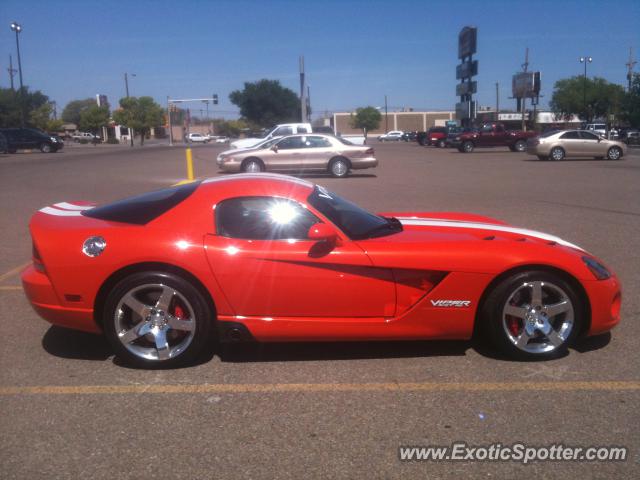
[(275, 148), (322, 232)]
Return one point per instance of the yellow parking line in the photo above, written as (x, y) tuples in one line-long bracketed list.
[(324, 387), (13, 271), (10, 287)]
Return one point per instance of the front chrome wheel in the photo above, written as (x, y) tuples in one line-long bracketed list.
[(339, 168), (155, 322), (538, 317), (614, 153)]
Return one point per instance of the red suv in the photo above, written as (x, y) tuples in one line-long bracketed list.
[(437, 137)]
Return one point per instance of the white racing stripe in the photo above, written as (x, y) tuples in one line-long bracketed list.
[(424, 222), (61, 213), (71, 206)]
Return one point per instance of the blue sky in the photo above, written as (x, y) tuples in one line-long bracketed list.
[(355, 52)]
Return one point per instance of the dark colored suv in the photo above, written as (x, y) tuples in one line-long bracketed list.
[(29, 138)]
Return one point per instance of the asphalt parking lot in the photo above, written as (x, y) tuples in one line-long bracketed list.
[(322, 410)]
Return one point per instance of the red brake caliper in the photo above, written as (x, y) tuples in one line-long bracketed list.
[(178, 311), (514, 325)]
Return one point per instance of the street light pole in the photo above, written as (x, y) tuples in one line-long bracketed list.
[(16, 27), (585, 60), (126, 82)]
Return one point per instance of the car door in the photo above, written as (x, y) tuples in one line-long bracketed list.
[(266, 265), (318, 152), (288, 154), (592, 145), (571, 142), (486, 136)]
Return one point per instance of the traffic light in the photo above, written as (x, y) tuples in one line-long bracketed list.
[(215, 99)]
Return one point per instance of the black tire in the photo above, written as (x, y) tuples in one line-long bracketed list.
[(467, 147), (339, 167), (497, 324), (557, 154), (442, 143), (146, 288), (520, 146), (252, 165), (614, 153), (46, 148)]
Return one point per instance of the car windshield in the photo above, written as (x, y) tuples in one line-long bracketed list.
[(356, 222), (268, 143)]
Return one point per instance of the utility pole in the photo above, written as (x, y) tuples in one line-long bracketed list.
[(497, 100), (630, 64), (303, 102), (12, 72), (126, 84), (386, 116), (308, 103)]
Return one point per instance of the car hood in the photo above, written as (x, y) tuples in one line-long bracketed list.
[(469, 243)]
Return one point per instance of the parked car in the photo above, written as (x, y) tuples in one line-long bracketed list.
[(557, 145), (197, 138), (392, 136), (30, 138), (409, 136), (90, 137), (630, 137), (217, 138), (276, 132), (281, 259), (300, 152), (437, 137), (493, 135)]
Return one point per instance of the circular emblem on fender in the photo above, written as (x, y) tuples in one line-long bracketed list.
[(93, 246)]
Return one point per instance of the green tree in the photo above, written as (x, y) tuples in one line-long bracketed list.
[(630, 109), (73, 109), (266, 103), (229, 128), (366, 118), (589, 98), (41, 116), (18, 104), (140, 114), (92, 119)]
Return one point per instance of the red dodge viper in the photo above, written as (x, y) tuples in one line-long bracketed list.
[(276, 258)]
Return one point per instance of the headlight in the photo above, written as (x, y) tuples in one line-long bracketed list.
[(53, 139), (598, 270)]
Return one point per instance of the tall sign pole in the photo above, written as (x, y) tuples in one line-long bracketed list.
[(303, 101), (468, 68)]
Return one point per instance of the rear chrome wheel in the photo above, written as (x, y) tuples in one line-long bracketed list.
[(156, 320), (339, 167), (533, 315)]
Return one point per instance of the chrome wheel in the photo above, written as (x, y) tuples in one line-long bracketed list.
[(538, 317), (467, 147), (154, 322), (253, 166), (45, 148), (557, 153), (520, 146), (614, 153), (339, 168)]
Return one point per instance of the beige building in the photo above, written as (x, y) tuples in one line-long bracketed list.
[(405, 121)]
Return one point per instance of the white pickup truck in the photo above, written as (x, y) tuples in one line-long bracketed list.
[(278, 131), (90, 137)]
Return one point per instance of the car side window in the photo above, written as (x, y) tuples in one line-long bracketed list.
[(291, 142), (570, 136), (303, 130), (317, 142), (589, 136), (263, 218)]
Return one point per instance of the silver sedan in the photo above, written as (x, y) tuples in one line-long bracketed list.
[(300, 153), (560, 144)]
